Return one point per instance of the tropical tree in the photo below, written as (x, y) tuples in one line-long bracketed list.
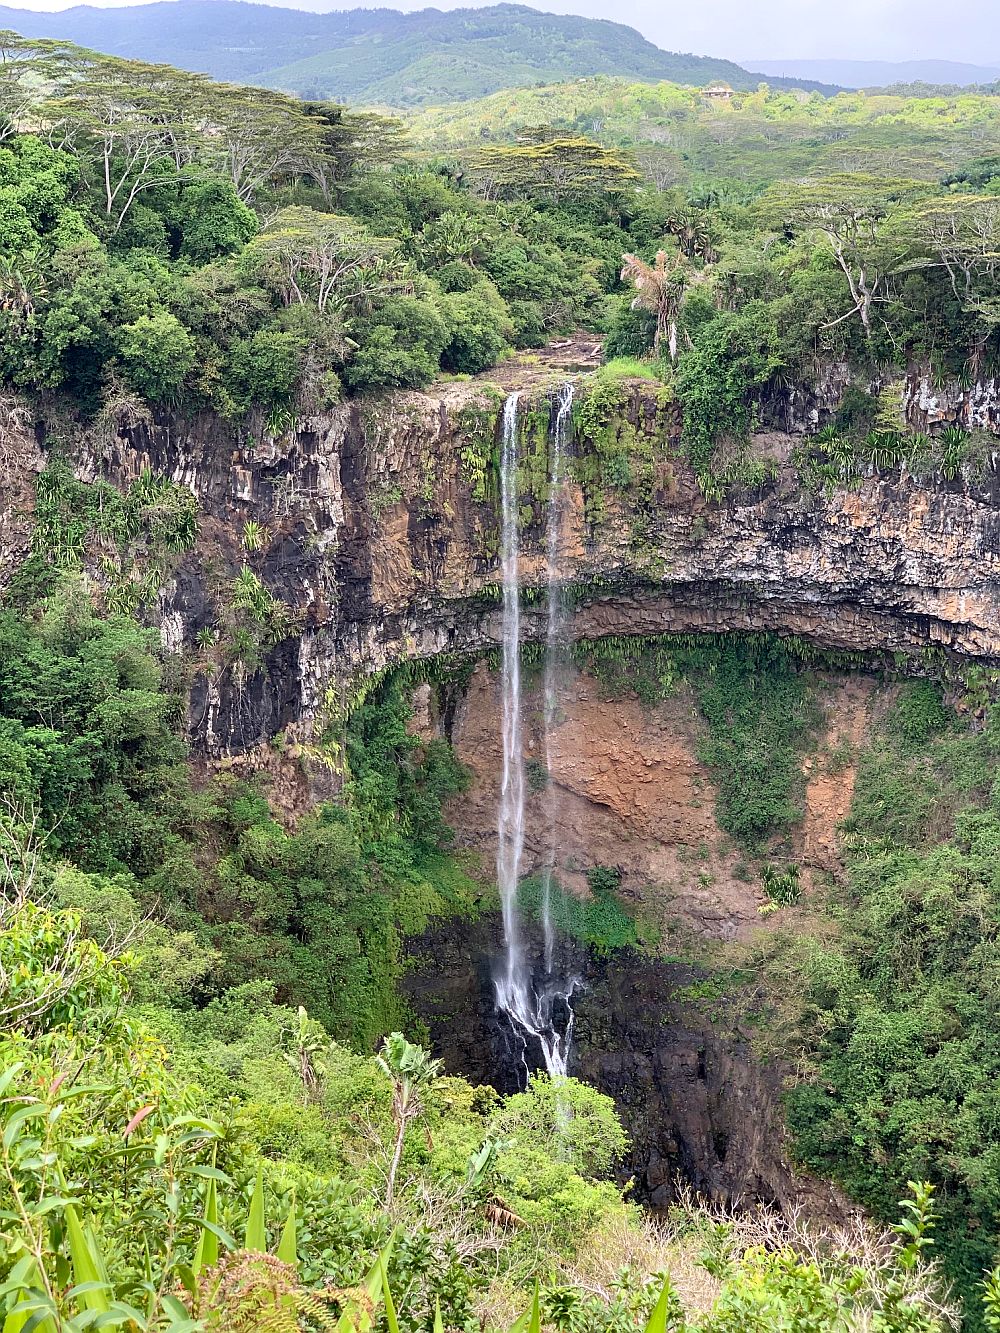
[(693, 229), (546, 165), (455, 236), (324, 260), (306, 1045), (353, 142), (851, 212), (259, 136), (959, 234), (659, 289), (157, 352), (27, 66), (137, 119)]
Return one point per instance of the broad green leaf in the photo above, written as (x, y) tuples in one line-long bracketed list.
[(658, 1319), (390, 1309), (47, 1205), (535, 1322), (286, 1245), (32, 1311), (256, 1237), (354, 1318), (16, 1120), (208, 1173), (9, 1075), (41, 1321), (206, 1254), (87, 1264)]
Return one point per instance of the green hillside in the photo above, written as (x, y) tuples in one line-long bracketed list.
[(679, 135), (376, 55)]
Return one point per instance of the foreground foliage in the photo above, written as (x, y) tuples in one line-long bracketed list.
[(183, 1148), (135, 1198)]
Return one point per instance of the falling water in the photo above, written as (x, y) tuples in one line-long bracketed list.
[(554, 635), (533, 1012), (513, 985)]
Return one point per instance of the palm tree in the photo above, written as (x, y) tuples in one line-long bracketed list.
[(21, 282), (410, 1070), (660, 289)]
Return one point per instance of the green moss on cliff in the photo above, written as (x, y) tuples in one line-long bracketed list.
[(620, 450)]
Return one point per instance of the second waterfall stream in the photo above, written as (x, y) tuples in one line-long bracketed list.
[(537, 1006)]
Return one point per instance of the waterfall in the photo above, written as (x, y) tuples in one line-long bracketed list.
[(534, 1012), (512, 986), (555, 625)]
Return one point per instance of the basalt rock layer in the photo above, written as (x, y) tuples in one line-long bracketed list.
[(382, 543)]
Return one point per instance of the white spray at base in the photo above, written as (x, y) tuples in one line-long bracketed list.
[(531, 1009)]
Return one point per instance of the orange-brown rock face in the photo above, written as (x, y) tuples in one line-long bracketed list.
[(629, 791)]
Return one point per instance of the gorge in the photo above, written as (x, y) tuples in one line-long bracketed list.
[(385, 536)]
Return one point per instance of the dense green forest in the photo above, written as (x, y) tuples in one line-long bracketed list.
[(173, 242), (211, 1118)]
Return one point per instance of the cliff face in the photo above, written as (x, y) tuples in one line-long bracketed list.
[(627, 789), (382, 543)]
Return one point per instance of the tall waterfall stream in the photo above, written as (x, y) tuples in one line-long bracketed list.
[(535, 1006)]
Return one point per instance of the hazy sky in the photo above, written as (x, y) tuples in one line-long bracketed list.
[(742, 29)]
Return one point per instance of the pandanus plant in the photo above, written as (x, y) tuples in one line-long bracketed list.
[(659, 289)]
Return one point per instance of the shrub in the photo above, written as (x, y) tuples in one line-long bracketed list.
[(481, 329), (919, 712), (264, 369), (156, 353), (399, 344), (717, 382)]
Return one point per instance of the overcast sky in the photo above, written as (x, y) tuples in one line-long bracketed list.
[(774, 29)]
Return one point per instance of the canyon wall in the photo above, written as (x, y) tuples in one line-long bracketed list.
[(382, 540), (628, 789)]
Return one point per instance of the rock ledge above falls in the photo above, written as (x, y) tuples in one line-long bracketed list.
[(383, 552)]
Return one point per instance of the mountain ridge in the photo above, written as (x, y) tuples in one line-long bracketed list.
[(378, 55), (879, 73)]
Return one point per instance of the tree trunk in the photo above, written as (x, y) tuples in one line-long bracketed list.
[(394, 1164)]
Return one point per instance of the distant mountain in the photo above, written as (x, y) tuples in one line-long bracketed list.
[(879, 73), (378, 55)]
